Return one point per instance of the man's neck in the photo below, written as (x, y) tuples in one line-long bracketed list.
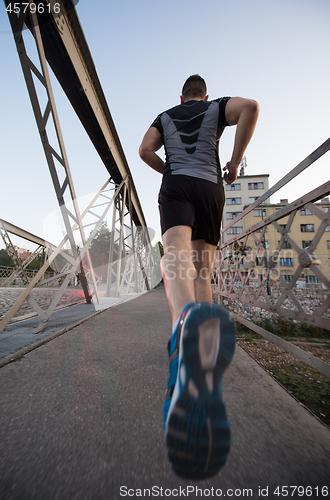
[(183, 101)]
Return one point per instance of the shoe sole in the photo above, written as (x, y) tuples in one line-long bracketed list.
[(197, 430)]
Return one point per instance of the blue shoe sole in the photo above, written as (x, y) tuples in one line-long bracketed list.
[(197, 431)]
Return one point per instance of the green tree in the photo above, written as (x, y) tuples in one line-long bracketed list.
[(5, 259), (158, 252), (36, 264), (99, 249)]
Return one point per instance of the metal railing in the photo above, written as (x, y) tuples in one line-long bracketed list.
[(7, 272), (63, 48), (252, 292)]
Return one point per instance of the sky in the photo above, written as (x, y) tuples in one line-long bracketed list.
[(274, 51)]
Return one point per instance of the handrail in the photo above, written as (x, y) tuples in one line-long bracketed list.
[(245, 284)]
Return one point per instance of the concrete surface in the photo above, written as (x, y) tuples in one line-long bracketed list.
[(19, 336), (81, 418)]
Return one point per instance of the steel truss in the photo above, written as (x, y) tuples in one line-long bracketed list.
[(130, 249), (20, 267), (235, 265), (20, 270)]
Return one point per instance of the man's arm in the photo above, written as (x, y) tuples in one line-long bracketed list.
[(152, 141), (243, 113)]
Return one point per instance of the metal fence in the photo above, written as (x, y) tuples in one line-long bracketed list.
[(7, 272), (252, 295)]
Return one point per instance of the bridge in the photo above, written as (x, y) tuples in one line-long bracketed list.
[(82, 387)]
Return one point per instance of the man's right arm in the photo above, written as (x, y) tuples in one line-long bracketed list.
[(243, 113), (152, 141)]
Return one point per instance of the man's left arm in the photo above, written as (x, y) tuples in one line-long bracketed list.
[(152, 142)]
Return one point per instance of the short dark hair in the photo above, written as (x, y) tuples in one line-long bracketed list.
[(194, 86)]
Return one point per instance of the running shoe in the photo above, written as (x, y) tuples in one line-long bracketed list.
[(196, 427)]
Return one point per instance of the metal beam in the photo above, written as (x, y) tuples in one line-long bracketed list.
[(60, 42), (17, 231), (69, 57), (304, 356)]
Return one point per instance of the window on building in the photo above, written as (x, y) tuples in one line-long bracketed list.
[(286, 261), (266, 244), (326, 209), (327, 228), (256, 185), (328, 245), (287, 277), (258, 212), (312, 280), (306, 243), (252, 199), (285, 244), (233, 187), (307, 228), (234, 230), (232, 215), (234, 201), (305, 211), (259, 261)]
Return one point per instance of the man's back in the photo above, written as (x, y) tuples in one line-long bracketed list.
[(191, 133)]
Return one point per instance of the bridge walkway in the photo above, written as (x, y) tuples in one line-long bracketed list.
[(81, 418)]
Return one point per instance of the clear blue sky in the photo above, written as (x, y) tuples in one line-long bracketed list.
[(274, 51)]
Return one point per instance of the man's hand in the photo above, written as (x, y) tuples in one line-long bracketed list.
[(231, 175)]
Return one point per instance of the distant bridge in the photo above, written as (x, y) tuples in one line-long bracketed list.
[(61, 44)]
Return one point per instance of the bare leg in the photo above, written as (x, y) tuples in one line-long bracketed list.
[(178, 270), (202, 256)]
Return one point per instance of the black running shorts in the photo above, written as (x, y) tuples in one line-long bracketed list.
[(190, 201)]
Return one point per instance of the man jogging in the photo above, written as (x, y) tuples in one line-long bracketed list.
[(191, 200)]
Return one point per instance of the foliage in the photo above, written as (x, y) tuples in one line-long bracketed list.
[(100, 246), (5, 259), (37, 263), (287, 328), (158, 252), (161, 248)]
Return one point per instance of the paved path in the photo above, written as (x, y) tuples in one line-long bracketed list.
[(81, 418), (43, 296), (19, 336)]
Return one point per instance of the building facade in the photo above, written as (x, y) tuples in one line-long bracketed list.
[(244, 191), (303, 229), (22, 253)]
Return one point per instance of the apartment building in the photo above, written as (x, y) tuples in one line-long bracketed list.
[(303, 229), (244, 191), (22, 253)]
